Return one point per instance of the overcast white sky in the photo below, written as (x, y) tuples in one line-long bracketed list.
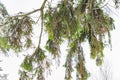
[(11, 64)]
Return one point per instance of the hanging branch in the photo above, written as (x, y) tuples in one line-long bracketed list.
[(42, 13), (61, 22), (41, 9), (41, 28)]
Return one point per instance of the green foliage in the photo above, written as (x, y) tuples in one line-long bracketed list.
[(76, 21), (78, 25), (4, 44), (53, 47), (18, 32), (34, 64), (27, 64)]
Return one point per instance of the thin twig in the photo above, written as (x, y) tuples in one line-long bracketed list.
[(38, 19), (31, 12), (105, 4)]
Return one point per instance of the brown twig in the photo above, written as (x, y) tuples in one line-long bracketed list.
[(31, 12), (41, 28), (42, 13)]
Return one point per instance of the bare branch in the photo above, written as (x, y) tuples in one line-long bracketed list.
[(41, 28), (42, 13), (31, 12)]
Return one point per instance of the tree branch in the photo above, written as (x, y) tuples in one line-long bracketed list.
[(42, 13), (41, 28), (31, 12)]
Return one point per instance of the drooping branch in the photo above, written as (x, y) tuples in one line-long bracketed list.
[(42, 13), (61, 22), (38, 57)]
